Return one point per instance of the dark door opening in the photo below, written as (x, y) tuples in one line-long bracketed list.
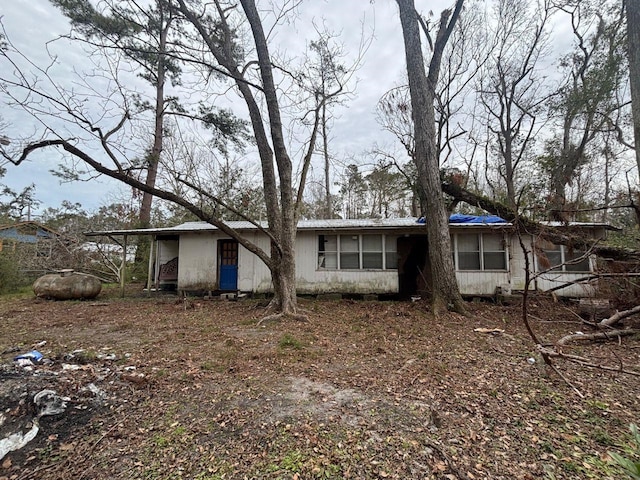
[(228, 265), (412, 259)]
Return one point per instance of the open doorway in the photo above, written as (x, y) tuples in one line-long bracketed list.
[(412, 260)]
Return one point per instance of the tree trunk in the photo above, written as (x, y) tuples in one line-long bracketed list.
[(283, 221), (156, 150), (327, 166), (445, 291), (509, 174), (283, 278), (153, 159), (633, 38)]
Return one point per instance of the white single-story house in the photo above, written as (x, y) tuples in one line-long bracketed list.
[(381, 256)]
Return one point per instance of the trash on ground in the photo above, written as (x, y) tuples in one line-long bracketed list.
[(49, 403), (98, 392), (109, 356), (24, 363), (17, 440), (492, 331), (71, 366), (34, 355)]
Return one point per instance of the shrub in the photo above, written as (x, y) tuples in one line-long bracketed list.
[(630, 467), (11, 279)]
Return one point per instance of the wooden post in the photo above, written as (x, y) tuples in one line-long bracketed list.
[(151, 270), (123, 267)]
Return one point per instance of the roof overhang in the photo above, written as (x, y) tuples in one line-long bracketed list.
[(397, 224)]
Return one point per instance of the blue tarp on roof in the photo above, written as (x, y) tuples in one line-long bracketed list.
[(460, 218)]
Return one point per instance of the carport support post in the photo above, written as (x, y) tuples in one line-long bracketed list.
[(150, 271), (123, 267)]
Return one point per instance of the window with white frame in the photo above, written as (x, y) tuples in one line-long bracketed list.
[(372, 255), (357, 252), (328, 252), (480, 251), (559, 258), (349, 252)]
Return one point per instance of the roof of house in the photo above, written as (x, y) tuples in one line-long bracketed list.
[(27, 232), (326, 225), (455, 221)]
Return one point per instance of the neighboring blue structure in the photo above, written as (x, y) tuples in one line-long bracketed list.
[(25, 232)]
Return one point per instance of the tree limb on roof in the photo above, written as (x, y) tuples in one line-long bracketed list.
[(547, 232)]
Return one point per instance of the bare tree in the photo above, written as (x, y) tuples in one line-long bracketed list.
[(327, 80), (146, 35), (230, 43), (511, 86), (283, 204), (586, 102), (633, 52), (422, 85)]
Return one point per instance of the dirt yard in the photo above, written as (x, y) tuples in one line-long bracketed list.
[(161, 389)]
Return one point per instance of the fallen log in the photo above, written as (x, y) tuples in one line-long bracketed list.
[(592, 337), (585, 362), (613, 319), (605, 325)]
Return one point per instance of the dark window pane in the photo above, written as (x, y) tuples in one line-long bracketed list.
[(371, 260), (494, 261), (468, 261), (553, 259), (581, 266), (392, 260), (349, 261)]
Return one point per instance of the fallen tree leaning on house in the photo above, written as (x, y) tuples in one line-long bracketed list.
[(526, 225)]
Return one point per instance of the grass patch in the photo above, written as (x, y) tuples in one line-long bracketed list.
[(289, 341)]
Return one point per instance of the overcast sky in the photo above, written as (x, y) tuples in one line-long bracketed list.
[(30, 24)]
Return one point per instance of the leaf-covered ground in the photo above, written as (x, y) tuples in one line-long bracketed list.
[(161, 389)]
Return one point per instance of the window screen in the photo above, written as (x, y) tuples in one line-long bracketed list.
[(468, 252), (349, 252), (391, 252), (354, 252), (572, 262), (328, 252), (372, 251), (553, 255), (493, 252)]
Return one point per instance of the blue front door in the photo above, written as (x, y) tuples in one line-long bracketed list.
[(228, 272)]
